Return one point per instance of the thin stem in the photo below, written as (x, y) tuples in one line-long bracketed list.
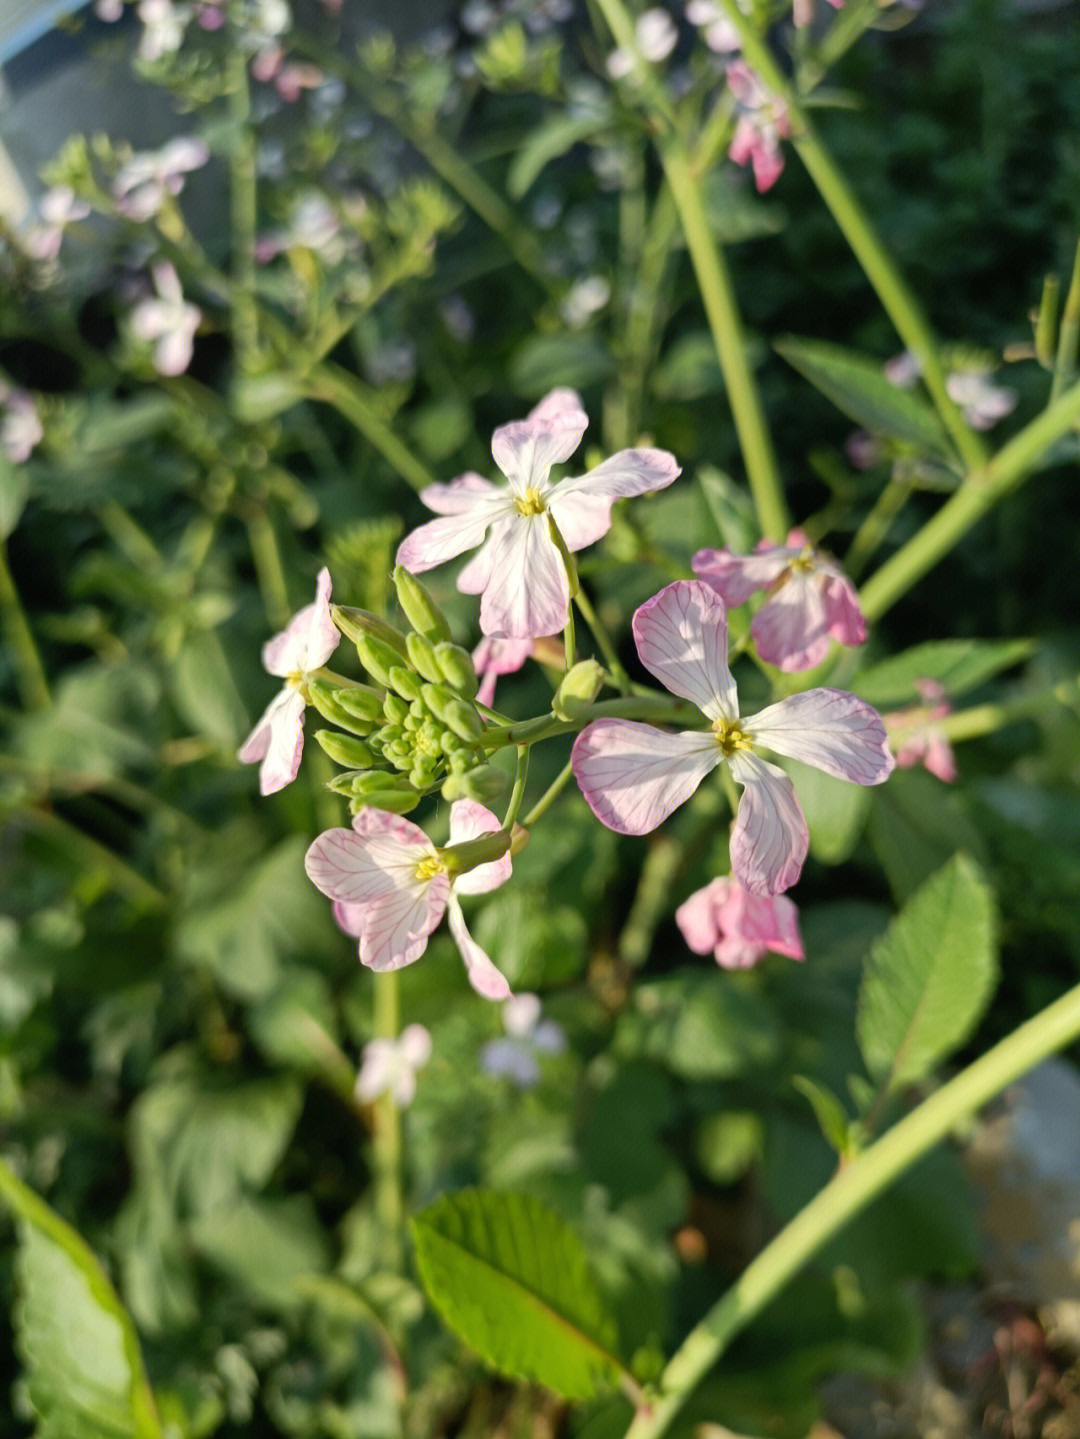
[(1068, 335), (649, 707), (334, 386), (550, 795), (244, 213), (860, 1181), (876, 525), (570, 640), (29, 670), (266, 554), (899, 303), (386, 1139), (603, 641), (978, 494), (517, 794)]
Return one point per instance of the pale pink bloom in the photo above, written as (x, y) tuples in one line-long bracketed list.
[(634, 775), (20, 425), (802, 11), (168, 323), (492, 658), (738, 927), (390, 1066), (163, 28), (142, 185), (302, 647), (810, 599), (58, 208), (717, 30), (517, 1055), (519, 572), (655, 36), (923, 742), (390, 888), (981, 403), (762, 124)]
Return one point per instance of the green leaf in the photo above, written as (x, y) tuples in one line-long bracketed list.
[(14, 489), (835, 810), (916, 823), (267, 1248), (545, 362), (830, 1113), (85, 1374), (930, 976), (689, 369), (701, 1025), (512, 1280), (958, 665), (858, 387), (551, 139)]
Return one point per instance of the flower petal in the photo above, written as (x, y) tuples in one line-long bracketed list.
[(525, 450), (736, 577), (697, 916), (630, 472), (633, 775), (447, 537), (791, 628), (529, 593), (308, 640), (474, 577), (761, 922), (398, 923), (277, 740), (362, 867), (469, 820), (769, 840), (681, 636), (830, 729), (842, 613), (582, 519), (483, 976), (461, 495)]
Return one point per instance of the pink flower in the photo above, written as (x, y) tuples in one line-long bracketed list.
[(168, 323), (717, 30), (492, 658), (810, 599), (391, 887), (634, 775), (739, 927), (305, 645), (390, 1066), (923, 742), (762, 124), (519, 572), (142, 185), (21, 429)]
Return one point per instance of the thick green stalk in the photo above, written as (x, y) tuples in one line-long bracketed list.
[(29, 671), (975, 497), (1068, 335), (860, 1181), (386, 1139)]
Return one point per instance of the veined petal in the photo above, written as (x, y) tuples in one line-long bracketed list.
[(769, 840), (633, 775), (469, 820), (308, 640), (760, 921), (278, 741), (361, 867), (791, 629), (582, 519), (475, 577), (525, 450), (528, 594), (830, 729), (630, 472), (398, 923), (460, 495), (448, 536), (736, 577), (681, 637), (483, 976), (842, 613), (697, 916)]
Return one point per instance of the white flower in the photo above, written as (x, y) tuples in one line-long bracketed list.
[(390, 1066), (168, 323)]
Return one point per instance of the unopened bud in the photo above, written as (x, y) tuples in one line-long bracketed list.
[(379, 658), (419, 606), (345, 749), (326, 699), (405, 682), (457, 669), (353, 623), (394, 801), (377, 782), (579, 687), (395, 709), (454, 712), (484, 784), (422, 657)]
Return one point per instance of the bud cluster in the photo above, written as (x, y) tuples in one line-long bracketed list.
[(419, 730)]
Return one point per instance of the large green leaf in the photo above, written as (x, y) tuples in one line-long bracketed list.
[(857, 386), (835, 811), (915, 824), (958, 665), (701, 1024), (511, 1278), (930, 976)]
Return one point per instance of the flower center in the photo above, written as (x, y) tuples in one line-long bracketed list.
[(530, 503), (730, 736), (429, 867)]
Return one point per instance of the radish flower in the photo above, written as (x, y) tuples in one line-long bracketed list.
[(519, 572), (391, 887), (810, 599), (634, 775), (923, 741), (390, 1066), (305, 645), (738, 927), (763, 122)]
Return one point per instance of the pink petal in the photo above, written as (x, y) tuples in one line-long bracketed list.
[(445, 538), (414, 1045), (475, 577), (633, 776), (397, 924), (525, 450), (483, 976), (761, 922), (529, 593), (630, 472), (278, 741), (459, 496), (939, 758), (697, 916), (308, 640), (842, 613), (681, 637), (349, 917), (830, 729), (360, 868), (556, 403), (769, 840), (736, 577), (469, 820), (790, 630)]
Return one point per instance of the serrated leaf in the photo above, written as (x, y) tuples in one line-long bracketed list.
[(930, 976), (958, 665), (511, 1278), (857, 386)]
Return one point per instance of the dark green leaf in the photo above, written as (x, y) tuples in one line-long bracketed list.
[(958, 665)]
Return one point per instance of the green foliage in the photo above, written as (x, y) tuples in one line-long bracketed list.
[(957, 665)]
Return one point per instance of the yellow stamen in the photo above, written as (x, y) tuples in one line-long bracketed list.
[(431, 866), (530, 503), (731, 736)]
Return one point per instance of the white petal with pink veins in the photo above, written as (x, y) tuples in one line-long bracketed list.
[(470, 820), (460, 495), (483, 975), (398, 924), (736, 577), (830, 729), (770, 839), (448, 536), (529, 593), (791, 628), (582, 519), (525, 450), (277, 740), (633, 776), (308, 640), (359, 868), (475, 577), (681, 636), (630, 472)]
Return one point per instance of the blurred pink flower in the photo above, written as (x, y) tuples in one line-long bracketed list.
[(20, 424), (923, 742), (494, 657), (634, 775), (391, 888), (810, 599), (142, 185), (303, 646), (716, 28), (390, 1066), (168, 322), (802, 11), (519, 571), (517, 1055), (762, 124), (738, 927)]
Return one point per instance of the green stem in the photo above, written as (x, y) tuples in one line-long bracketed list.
[(244, 213), (859, 1182), (603, 641), (334, 386), (386, 1139), (518, 792), (989, 718), (33, 1210), (29, 671), (266, 554), (651, 707), (570, 639), (978, 494), (876, 525), (1068, 335), (899, 304), (550, 795)]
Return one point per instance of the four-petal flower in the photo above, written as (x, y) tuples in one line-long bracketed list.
[(738, 927), (634, 775)]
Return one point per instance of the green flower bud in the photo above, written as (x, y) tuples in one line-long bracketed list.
[(345, 749), (378, 658), (376, 782), (360, 702), (343, 783), (422, 774), (421, 654), (395, 709), (450, 744), (461, 761), (354, 624), (455, 712), (405, 682), (419, 607), (484, 784), (577, 690), (457, 669), (395, 801), (412, 723), (385, 737), (325, 699)]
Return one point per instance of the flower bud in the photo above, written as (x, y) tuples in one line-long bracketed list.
[(344, 749), (379, 658), (579, 687), (454, 712), (1046, 323), (360, 702), (405, 682), (353, 623), (376, 782), (392, 800), (325, 699), (419, 607), (395, 709), (422, 774), (484, 784), (422, 657), (457, 669)]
